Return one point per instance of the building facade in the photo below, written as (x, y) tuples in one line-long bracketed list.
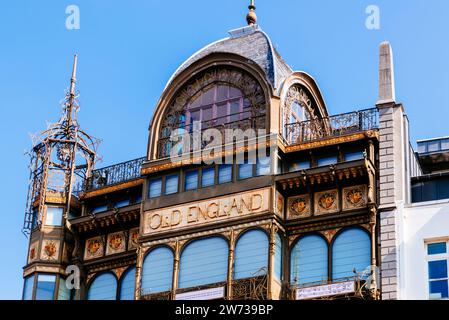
[(293, 210)]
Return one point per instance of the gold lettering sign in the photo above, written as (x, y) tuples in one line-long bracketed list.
[(208, 211)]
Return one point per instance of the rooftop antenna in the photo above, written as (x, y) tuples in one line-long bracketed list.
[(251, 17)]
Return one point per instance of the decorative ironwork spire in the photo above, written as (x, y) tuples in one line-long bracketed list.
[(71, 97), (251, 17)]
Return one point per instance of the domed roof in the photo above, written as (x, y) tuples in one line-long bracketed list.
[(249, 42)]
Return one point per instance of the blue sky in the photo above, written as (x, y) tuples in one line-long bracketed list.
[(129, 49)]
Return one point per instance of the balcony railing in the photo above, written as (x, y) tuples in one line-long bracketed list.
[(114, 174), (333, 126)]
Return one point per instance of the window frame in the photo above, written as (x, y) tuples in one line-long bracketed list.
[(436, 257), (60, 224), (197, 179)]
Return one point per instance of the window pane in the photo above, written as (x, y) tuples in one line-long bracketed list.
[(28, 288), (99, 209), (263, 167), (436, 248), (45, 287), (300, 165), (155, 188), (208, 177), (157, 271), (445, 144), (234, 111), (222, 93), (422, 147), (437, 269), (234, 92), (207, 116), (245, 171), (326, 161), (208, 97), (121, 204), (438, 289), (433, 146), (63, 292), (225, 173), (104, 287), (278, 258), (127, 284), (54, 216), (171, 184), (191, 180), (251, 255), (222, 113), (309, 261), (352, 156), (351, 250)]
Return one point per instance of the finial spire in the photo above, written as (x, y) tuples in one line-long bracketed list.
[(73, 79), (251, 17), (71, 97)]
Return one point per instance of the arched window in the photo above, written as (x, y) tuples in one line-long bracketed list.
[(309, 260), (350, 250), (218, 98), (104, 287), (297, 108), (127, 284), (251, 255), (203, 262), (157, 271)]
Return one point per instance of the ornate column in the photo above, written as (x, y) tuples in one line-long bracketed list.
[(271, 249), (175, 269), (230, 264), (139, 260)]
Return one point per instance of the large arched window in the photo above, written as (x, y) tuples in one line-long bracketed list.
[(204, 262), (251, 255), (157, 271), (351, 250), (309, 260), (104, 287), (127, 284), (218, 98)]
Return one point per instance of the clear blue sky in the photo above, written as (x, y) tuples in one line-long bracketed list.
[(128, 50)]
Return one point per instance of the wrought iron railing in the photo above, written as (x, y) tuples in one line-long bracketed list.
[(114, 174), (332, 126)]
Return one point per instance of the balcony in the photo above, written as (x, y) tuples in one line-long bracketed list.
[(332, 127), (115, 174)]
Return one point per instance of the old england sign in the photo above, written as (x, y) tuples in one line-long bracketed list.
[(207, 211)]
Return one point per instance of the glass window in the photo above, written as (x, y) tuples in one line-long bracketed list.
[(171, 184), (278, 258), (208, 177), (54, 216), (352, 156), (445, 144), (251, 255), (422, 147), (121, 204), (138, 199), (351, 250), (300, 165), (104, 287), (309, 261), (45, 287), (326, 161), (203, 262), (63, 292), (127, 284), (438, 280), (225, 173), (245, 171), (157, 271), (155, 188), (263, 167), (436, 248), (98, 209), (28, 288), (433, 146), (191, 182)]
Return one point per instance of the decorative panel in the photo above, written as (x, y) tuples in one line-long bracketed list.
[(279, 205), (32, 254), (299, 207), (326, 202), (132, 241), (354, 197), (94, 248), (116, 243), (50, 250)]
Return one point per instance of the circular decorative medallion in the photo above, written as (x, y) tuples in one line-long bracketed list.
[(298, 206), (355, 196), (326, 201)]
